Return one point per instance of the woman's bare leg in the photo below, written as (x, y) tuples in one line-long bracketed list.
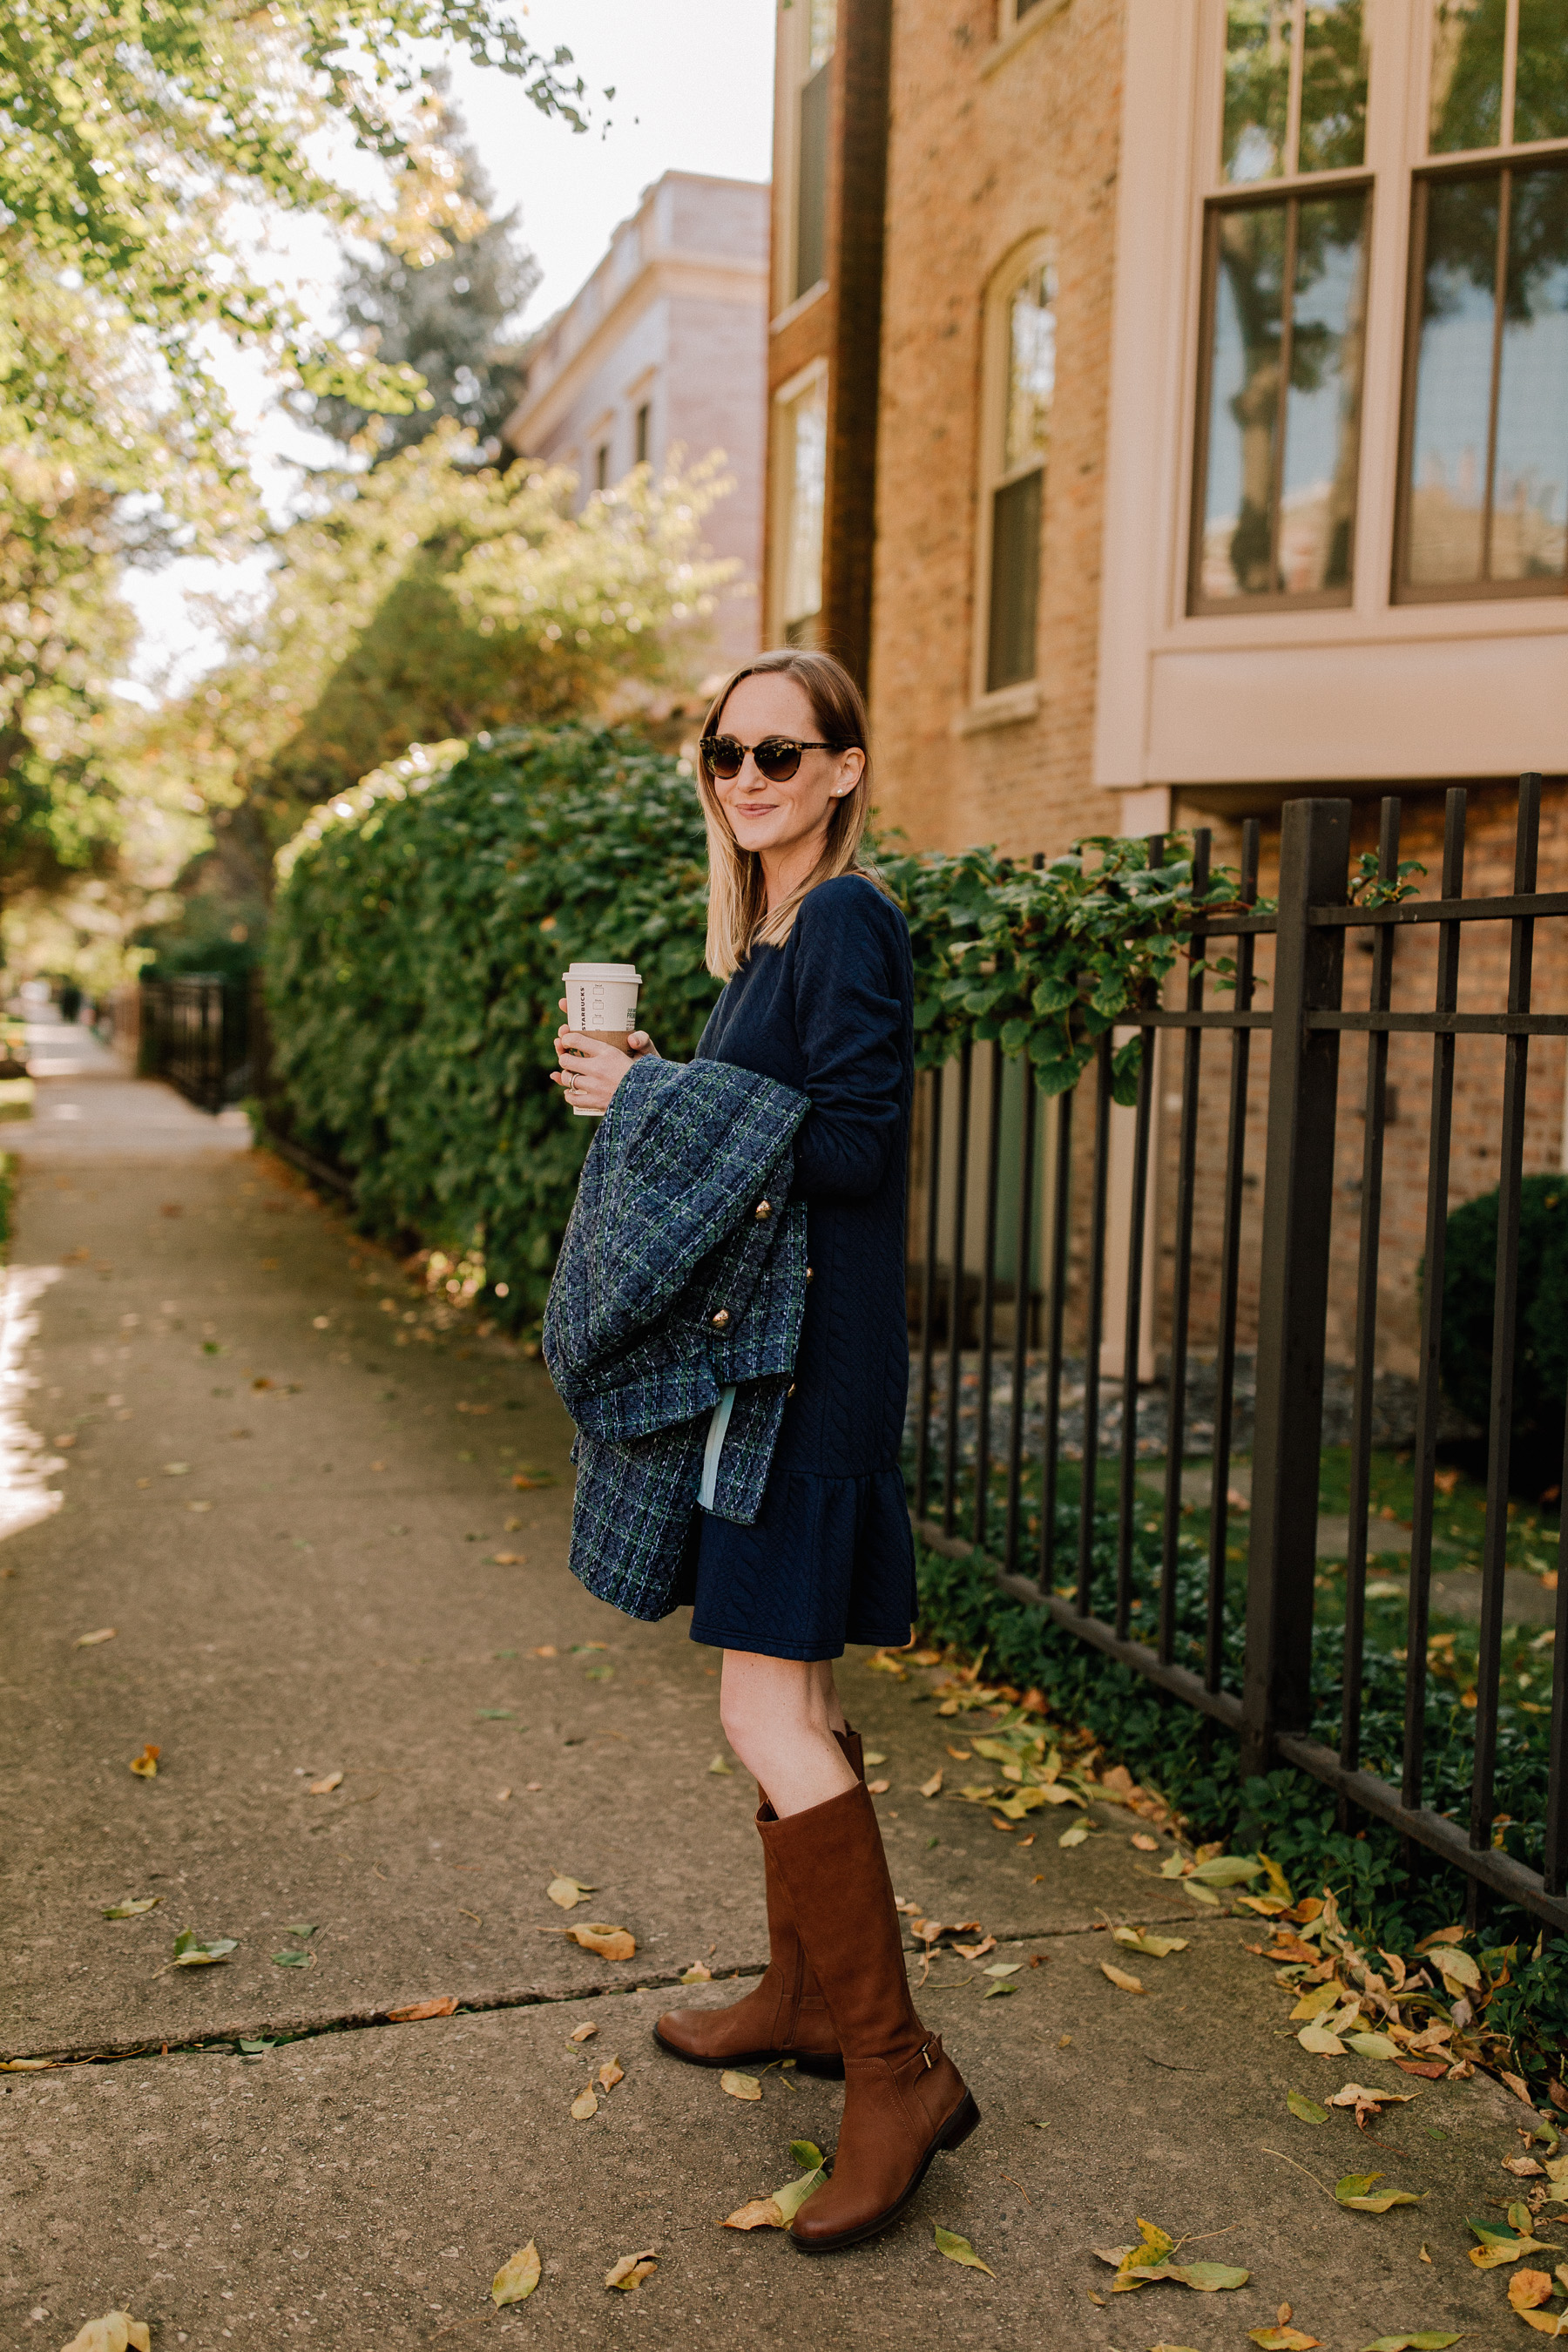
[(777, 1714), (824, 1671)]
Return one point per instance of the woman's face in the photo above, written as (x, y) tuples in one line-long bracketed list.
[(777, 817)]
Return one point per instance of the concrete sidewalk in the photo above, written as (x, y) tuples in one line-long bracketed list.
[(290, 1486)]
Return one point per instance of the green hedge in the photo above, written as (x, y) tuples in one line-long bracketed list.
[(414, 972)]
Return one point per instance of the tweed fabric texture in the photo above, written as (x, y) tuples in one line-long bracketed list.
[(665, 1234)]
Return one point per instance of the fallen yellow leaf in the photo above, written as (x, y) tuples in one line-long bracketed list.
[(1120, 1978), (932, 1788), (91, 1641), (115, 2332), (719, 1765), (583, 2105), (1145, 1844), (757, 2213), (443, 2007), (1528, 2289), (609, 1943), (740, 2087), (324, 1787), (631, 2271), (145, 1765), (516, 2280), (568, 1892), (611, 2073), (697, 1974), (584, 2032), (959, 2249)]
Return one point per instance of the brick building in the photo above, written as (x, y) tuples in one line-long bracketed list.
[(663, 347), (1204, 367)]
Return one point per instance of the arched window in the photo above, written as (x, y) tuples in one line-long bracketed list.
[(1020, 379)]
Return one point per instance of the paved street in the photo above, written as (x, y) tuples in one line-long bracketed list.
[(324, 1526)]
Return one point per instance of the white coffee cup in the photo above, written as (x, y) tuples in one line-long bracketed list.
[(601, 1001)]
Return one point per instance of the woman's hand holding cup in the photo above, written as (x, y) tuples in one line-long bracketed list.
[(591, 1070)]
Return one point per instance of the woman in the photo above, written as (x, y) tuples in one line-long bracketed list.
[(818, 995)]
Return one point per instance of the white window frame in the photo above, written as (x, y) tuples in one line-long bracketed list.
[(793, 70), (1005, 279)]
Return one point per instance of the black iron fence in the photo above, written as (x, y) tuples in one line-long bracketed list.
[(1054, 1450), (195, 1032)]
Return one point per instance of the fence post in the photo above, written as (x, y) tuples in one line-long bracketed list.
[(1298, 1202)]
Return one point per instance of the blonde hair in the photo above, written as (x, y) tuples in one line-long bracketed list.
[(737, 916)]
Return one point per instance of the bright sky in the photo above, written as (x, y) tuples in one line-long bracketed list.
[(693, 83)]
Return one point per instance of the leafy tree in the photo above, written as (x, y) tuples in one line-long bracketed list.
[(428, 599), (130, 133), (443, 317)]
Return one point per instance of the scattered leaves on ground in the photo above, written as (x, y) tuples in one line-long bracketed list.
[(1139, 1939), (516, 2280), (324, 1787), (91, 1641), (1527, 2290), (133, 1906), (294, 1959), (697, 1974), (1282, 2337), (145, 1765), (1144, 1843), (777, 2211), (1367, 2103), (1076, 1835), (719, 1765), (932, 1788), (959, 2249), (1431, 2339), (568, 1892), (739, 2085), (582, 2032), (877, 1787), (1306, 2110), (757, 2213), (1499, 2246), (1120, 1978), (611, 2073), (1354, 2192), (191, 1952), (583, 2105), (1145, 2264), (631, 2269), (442, 2007)]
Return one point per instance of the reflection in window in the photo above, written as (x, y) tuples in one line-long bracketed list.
[(1471, 75), (1486, 498), (802, 460), (1029, 380), (811, 148), (1541, 89), (1280, 442), (1312, 49)]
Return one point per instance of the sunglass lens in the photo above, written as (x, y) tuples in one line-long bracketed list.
[(726, 758), (777, 759)]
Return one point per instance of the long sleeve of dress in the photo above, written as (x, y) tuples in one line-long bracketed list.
[(851, 1019)]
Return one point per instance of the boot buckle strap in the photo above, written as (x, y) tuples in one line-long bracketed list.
[(925, 2052)]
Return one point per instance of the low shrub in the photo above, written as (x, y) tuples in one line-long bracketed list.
[(1540, 1349), (414, 972)]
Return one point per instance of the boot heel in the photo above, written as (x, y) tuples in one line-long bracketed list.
[(966, 2118)]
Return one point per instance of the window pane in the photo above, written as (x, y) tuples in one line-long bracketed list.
[(1244, 404), (1031, 368), (1466, 74), (1529, 501), (804, 456), (1333, 87), (1257, 87), (1322, 416), (1015, 581), (1540, 92), (824, 31), (1453, 385), (811, 192)]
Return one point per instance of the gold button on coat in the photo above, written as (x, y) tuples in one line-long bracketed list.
[(764, 1211), (722, 1317)]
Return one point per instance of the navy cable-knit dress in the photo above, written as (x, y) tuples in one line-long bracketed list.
[(830, 1558)]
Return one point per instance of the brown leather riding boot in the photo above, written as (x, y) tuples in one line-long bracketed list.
[(903, 2098), (783, 2015)]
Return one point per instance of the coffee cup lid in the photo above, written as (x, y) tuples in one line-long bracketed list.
[(602, 971)]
